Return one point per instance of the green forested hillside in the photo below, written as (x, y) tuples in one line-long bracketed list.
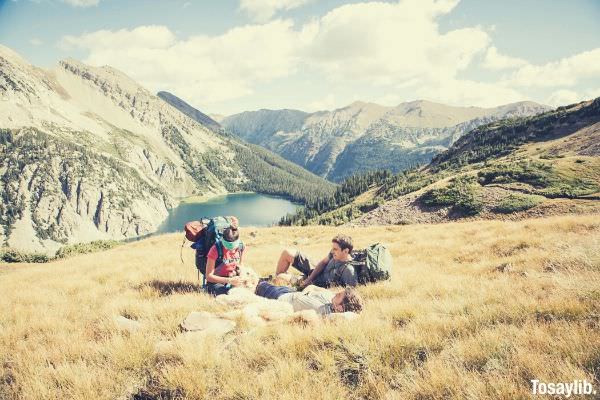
[(266, 172), (501, 138), (270, 174)]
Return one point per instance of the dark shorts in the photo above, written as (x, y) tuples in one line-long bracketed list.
[(217, 288), (302, 264)]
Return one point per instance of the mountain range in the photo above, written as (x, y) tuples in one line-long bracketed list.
[(87, 153), (366, 136), (515, 168)]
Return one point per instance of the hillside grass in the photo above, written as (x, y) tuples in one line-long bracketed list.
[(474, 310)]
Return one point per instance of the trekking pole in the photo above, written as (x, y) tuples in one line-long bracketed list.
[(181, 251)]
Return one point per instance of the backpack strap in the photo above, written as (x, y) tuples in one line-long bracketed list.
[(219, 246), (339, 271)]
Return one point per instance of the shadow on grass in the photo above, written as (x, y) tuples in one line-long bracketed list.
[(167, 288)]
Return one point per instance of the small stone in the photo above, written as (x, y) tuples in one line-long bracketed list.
[(208, 323), (127, 324), (549, 267), (506, 267)]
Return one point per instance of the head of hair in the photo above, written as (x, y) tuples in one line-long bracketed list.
[(352, 300), (231, 234), (344, 241)]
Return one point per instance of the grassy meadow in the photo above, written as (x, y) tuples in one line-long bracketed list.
[(475, 310)]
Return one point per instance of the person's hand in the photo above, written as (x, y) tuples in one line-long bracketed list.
[(306, 287), (304, 283), (236, 281)]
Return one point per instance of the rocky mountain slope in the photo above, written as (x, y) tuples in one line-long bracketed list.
[(87, 153), (510, 169), (366, 136), (190, 111)]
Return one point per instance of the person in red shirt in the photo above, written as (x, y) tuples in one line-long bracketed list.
[(222, 274)]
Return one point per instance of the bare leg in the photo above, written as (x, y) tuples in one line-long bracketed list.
[(285, 260)]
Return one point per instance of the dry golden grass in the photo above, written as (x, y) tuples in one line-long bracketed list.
[(449, 325)]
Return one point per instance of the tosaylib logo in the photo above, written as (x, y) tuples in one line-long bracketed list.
[(566, 389)]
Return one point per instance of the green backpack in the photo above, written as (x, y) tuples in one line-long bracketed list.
[(372, 264)]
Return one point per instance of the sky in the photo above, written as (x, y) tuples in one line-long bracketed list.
[(229, 56)]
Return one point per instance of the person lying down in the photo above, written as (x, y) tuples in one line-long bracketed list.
[(322, 301)]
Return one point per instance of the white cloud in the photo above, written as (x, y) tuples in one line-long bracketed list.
[(35, 42), (468, 92), (263, 10), (82, 3), (387, 42), (396, 50), (143, 37), (325, 103), (201, 69), (563, 97), (564, 72), (496, 61), (376, 42)]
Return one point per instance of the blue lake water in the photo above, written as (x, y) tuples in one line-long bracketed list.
[(252, 209)]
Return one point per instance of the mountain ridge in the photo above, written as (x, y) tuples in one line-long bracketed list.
[(88, 154), (514, 168), (328, 142)]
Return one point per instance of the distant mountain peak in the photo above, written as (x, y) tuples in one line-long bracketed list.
[(363, 135), (189, 110)]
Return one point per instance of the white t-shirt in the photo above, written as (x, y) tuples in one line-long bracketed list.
[(318, 301)]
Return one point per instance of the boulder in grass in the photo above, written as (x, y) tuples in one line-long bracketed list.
[(208, 323), (269, 310), (127, 324), (238, 297), (347, 316)]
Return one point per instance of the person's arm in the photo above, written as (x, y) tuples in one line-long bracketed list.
[(318, 269)]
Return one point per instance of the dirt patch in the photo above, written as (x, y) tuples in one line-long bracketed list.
[(585, 142), (409, 210), (167, 288)]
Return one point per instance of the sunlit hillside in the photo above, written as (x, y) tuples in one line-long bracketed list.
[(474, 310)]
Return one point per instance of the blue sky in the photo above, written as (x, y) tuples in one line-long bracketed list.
[(228, 56)]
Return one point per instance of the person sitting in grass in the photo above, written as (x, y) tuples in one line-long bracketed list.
[(323, 301), (333, 270), (220, 278)]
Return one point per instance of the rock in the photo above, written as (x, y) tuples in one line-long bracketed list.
[(348, 315), (207, 323), (506, 267), (269, 310), (550, 267), (127, 324), (238, 297)]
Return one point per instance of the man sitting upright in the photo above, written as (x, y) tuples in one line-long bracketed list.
[(333, 270)]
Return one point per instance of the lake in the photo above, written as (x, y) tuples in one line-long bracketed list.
[(252, 209)]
